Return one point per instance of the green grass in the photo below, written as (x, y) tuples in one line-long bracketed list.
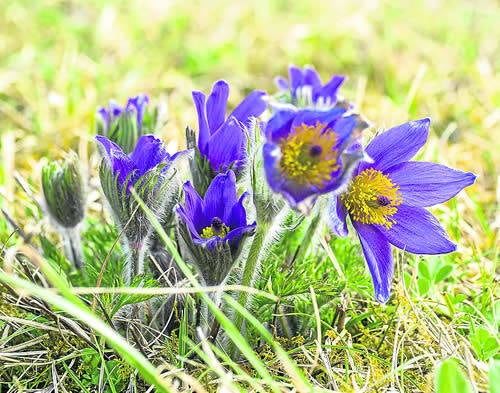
[(314, 321)]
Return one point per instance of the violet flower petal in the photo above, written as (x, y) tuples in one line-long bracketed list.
[(337, 217), (216, 105), (426, 184), (399, 144), (378, 256), (418, 231)]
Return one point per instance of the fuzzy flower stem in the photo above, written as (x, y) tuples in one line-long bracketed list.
[(73, 246), (135, 260), (250, 270), (307, 238), (259, 250)]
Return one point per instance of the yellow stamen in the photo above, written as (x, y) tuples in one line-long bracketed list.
[(211, 231), (372, 198), (308, 154)]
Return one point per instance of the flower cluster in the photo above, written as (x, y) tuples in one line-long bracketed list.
[(311, 145)]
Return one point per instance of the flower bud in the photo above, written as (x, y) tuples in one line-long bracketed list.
[(63, 189)]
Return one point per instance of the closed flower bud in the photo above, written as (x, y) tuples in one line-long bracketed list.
[(63, 190)]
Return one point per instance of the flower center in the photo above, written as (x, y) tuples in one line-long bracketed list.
[(217, 228), (308, 154), (372, 198)]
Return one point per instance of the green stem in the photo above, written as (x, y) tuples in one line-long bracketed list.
[(73, 246), (308, 236), (135, 261), (250, 273)]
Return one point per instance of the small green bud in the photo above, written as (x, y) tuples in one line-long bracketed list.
[(62, 186)]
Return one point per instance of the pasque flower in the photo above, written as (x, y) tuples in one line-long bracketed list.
[(223, 141), (149, 169), (310, 152), (216, 224), (386, 201), (219, 217), (149, 153), (305, 89), (123, 125)]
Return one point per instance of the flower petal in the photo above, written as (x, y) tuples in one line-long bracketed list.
[(399, 144), (203, 131), (216, 105), (330, 89), (337, 217), (418, 231), (186, 217), (312, 117), (252, 106), (220, 196), (115, 109), (281, 83), (227, 146), (272, 155), (148, 153), (279, 126), (426, 184), (344, 128), (296, 79), (237, 216), (138, 103), (311, 77), (378, 256), (236, 236), (105, 117), (195, 208), (121, 164)]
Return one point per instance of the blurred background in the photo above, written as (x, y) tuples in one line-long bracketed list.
[(59, 60)]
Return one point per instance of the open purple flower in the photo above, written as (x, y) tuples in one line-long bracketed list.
[(305, 89), (310, 152), (217, 218), (149, 153), (386, 202), (223, 141)]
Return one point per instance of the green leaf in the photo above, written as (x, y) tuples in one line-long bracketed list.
[(484, 343), (423, 285), (442, 273), (450, 379), (423, 270), (494, 376)]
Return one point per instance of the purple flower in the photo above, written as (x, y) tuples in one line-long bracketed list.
[(149, 153), (223, 141), (135, 105), (310, 152), (305, 89), (217, 218), (386, 202)]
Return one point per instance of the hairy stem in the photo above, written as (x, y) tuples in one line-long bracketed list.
[(134, 265), (73, 246), (250, 272)]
